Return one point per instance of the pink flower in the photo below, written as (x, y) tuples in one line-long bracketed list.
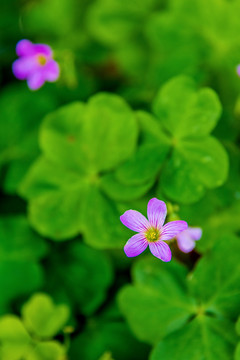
[(35, 64), (238, 70), (186, 239), (151, 232)]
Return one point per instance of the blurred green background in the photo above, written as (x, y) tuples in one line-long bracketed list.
[(147, 105)]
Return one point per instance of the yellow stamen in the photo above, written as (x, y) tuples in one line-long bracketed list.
[(152, 234), (41, 59)]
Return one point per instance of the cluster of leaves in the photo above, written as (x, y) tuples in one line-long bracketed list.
[(146, 106), (30, 337), (76, 167), (186, 316)]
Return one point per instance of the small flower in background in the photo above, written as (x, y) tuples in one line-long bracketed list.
[(151, 232), (35, 64), (186, 239), (238, 70)]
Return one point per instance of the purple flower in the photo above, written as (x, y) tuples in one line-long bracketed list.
[(238, 70), (35, 64), (186, 239), (151, 232)]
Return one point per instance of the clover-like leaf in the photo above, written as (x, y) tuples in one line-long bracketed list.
[(42, 317), (120, 192), (203, 338), (101, 225), (15, 342), (20, 248), (222, 46), (145, 163), (47, 350), (109, 336), (184, 111), (163, 306), (18, 241), (215, 285), (237, 352), (64, 185), (80, 136), (157, 303), (22, 278), (113, 22), (32, 18), (197, 161), (195, 165), (83, 277), (174, 49)]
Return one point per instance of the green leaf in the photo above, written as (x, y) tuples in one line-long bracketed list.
[(203, 338), (61, 136), (23, 277), (184, 111), (49, 19), (120, 192), (238, 326), (174, 48), (57, 199), (15, 342), (144, 165), (16, 171), (18, 241), (18, 129), (106, 356), (178, 181), (19, 125), (20, 247), (57, 214), (107, 336), (215, 280), (157, 303), (113, 140), (237, 352), (61, 185), (46, 176), (114, 23), (84, 277), (75, 137), (48, 350), (219, 223), (194, 165), (208, 159), (101, 224), (42, 317), (222, 45)]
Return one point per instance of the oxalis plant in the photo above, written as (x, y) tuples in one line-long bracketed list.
[(120, 182)]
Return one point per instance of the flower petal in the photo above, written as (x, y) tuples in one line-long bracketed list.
[(185, 241), (24, 48), (43, 49), (51, 71), (161, 250), (35, 80), (134, 220), (195, 233), (135, 245), (156, 212), (172, 229), (23, 67)]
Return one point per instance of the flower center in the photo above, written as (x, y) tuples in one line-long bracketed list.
[(152, 234), (41, 59)]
